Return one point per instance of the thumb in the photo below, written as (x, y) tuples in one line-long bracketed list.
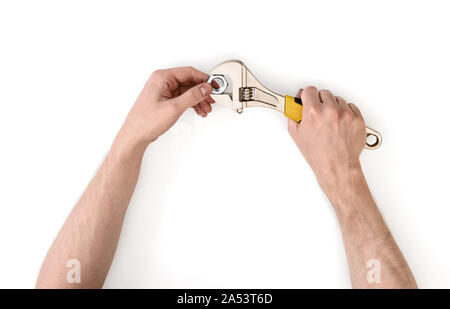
[(193, 96)]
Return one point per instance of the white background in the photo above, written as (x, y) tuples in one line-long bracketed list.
[(226, 201)]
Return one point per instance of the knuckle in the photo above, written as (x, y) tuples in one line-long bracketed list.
[(340, 99), (157, 74), (312, 109), (327, 96), (309, 89), (331, 110), (191, 95), (332, 114), (353, 107), (348, 115)]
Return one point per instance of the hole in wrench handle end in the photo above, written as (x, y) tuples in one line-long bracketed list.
[(378, 139)]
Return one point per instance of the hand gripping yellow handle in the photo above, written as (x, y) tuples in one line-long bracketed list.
[(293, 110)]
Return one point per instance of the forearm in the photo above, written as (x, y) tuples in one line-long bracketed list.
[(368, 242), (91, 232)]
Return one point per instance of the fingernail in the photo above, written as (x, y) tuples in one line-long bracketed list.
[(204, 89)]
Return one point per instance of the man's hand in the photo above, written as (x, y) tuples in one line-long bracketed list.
[(330, 136), (91, 232), (166, 95)]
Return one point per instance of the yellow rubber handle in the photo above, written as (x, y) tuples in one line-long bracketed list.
[(293, 108)]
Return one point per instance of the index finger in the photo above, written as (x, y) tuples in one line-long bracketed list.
[(188, 76), (310, 95)]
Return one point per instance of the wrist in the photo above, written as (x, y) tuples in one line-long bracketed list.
[(333, 177), (341, 185), (127, 147)]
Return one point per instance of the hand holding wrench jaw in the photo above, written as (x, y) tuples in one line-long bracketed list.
[(237, 88)]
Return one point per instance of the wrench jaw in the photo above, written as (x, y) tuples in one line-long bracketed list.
[(232, 72), (243, 89)]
